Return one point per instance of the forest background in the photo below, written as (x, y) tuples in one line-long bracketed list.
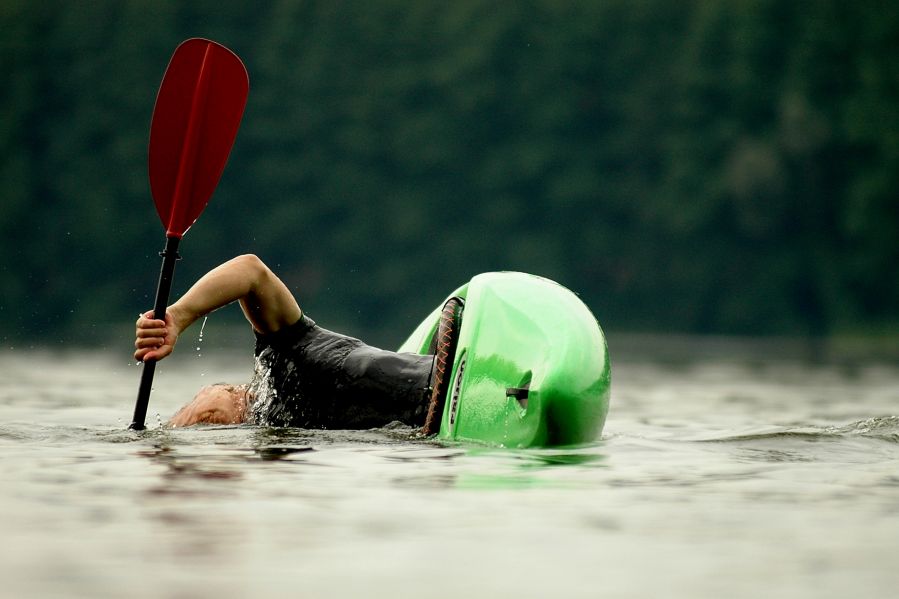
[(702, 167)]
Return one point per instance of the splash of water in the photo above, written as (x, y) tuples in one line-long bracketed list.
[(261, 391)]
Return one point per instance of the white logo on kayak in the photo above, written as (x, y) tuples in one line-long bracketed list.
[(454, 404)]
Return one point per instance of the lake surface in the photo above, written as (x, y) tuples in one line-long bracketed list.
[(716, 476)]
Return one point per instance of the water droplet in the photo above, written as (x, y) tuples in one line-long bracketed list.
[(200, 338)]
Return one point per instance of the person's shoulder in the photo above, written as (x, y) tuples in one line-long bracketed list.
[(286, 336)]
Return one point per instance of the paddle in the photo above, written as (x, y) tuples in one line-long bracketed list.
[(195, 120)]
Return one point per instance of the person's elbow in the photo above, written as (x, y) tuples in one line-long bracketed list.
[(253, 268), (250, 262)]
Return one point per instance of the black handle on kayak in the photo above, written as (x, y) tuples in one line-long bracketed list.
[(166, 274)]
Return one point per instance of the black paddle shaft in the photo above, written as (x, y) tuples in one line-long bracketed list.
[(169, 257)]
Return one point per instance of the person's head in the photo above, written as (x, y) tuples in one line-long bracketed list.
[(214, 404)]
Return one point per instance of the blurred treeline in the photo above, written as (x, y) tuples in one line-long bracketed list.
[(695, 166)]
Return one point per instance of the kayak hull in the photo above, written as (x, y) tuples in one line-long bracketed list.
[(531, 365)]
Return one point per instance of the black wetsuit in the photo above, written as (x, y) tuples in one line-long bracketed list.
[(310, 377)]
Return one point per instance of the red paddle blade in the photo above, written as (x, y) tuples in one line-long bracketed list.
[(198, 110)]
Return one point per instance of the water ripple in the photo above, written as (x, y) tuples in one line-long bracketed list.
[(885, 428)]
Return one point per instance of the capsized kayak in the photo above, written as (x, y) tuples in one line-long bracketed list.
[(525, 364)]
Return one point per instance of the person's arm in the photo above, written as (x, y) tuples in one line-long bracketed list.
[(264, 298)]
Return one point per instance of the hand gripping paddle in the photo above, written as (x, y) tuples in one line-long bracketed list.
[(198, 110)]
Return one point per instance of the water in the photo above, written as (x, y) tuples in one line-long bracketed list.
[(737, 478)]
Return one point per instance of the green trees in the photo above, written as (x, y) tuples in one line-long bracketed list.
[(698, 166)]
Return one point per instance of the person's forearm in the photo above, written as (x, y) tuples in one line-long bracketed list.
[(232, 281)]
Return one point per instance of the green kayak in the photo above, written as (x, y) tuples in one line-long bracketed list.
[(521, 362)]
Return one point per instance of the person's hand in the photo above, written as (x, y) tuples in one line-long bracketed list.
[(155, 339)]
